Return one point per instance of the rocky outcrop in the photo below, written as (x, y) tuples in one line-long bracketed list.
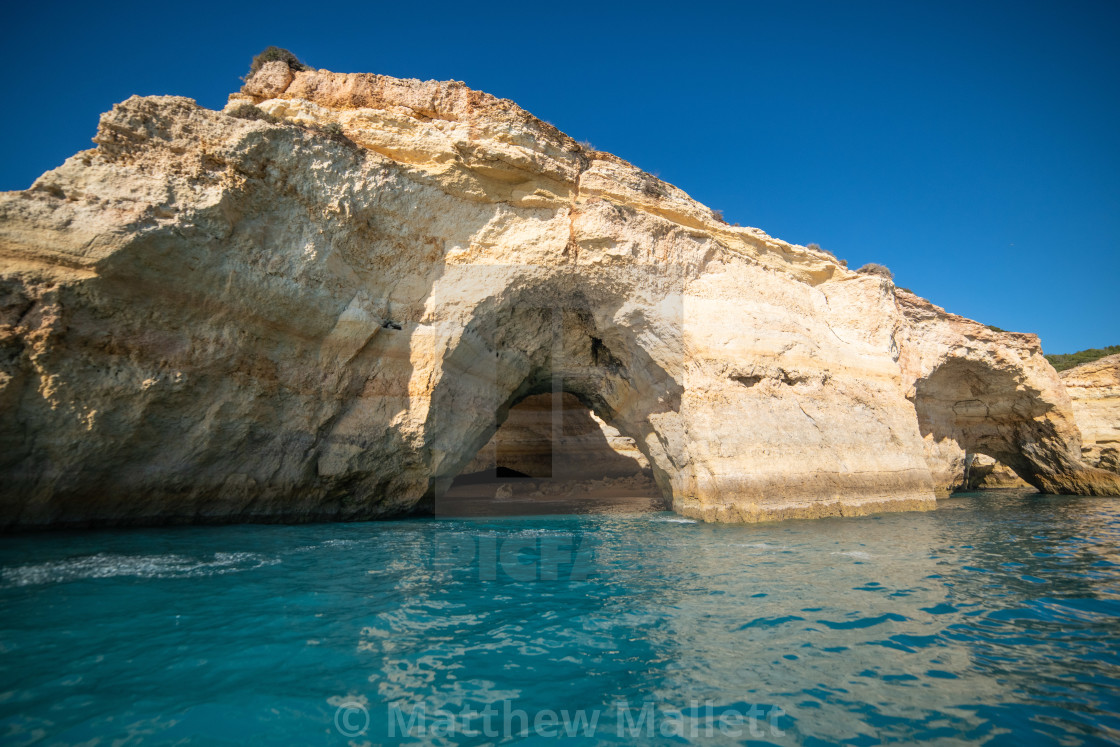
[(327, 313), (1094, 389)]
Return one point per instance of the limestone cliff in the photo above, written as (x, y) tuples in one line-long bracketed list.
[(327, 312), (1095, 390)]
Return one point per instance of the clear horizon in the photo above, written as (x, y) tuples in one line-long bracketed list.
[(971, 150)]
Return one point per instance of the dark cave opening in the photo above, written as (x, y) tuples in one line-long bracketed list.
[(553, 455)]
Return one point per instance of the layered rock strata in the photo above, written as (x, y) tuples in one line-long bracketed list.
[(326, 313), (1094, 389)]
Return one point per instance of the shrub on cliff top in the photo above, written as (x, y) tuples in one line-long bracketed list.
[(275, 54), (871, 268), (1062, 361)]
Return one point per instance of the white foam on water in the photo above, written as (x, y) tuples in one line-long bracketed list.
[(855, 554), (331, 543), (108, 565), (676, 520), (500, 534), (759, 545)]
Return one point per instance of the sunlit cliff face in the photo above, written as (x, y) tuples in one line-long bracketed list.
[(327, 315)]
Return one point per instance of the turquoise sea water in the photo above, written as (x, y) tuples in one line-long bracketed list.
[(995, 619)]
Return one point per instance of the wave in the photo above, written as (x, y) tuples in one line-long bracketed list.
[(107, 565)]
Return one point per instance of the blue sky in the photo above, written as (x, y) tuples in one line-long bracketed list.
[(972, 147)]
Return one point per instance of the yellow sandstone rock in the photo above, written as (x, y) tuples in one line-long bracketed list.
[(210, 317), (1095, 390)]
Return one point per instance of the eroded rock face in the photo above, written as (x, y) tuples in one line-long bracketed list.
[(1094, 389), (211, 318), (981, 391)]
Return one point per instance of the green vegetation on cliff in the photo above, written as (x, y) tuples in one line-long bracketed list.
[(272, 54), (1062, 361)]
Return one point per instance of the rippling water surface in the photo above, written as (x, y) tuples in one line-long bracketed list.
[(995, 619)]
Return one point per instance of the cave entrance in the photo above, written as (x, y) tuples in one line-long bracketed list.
[(589, 350), (553, 455)]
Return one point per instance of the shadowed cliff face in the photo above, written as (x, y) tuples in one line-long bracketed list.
[(987, 411), (213, 318)]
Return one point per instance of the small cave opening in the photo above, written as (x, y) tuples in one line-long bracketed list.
[(983, 472), (553, 455)]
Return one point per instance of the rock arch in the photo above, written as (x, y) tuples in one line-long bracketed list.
[(981, 391), (217, 318), (551, 335), (989, 411)]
